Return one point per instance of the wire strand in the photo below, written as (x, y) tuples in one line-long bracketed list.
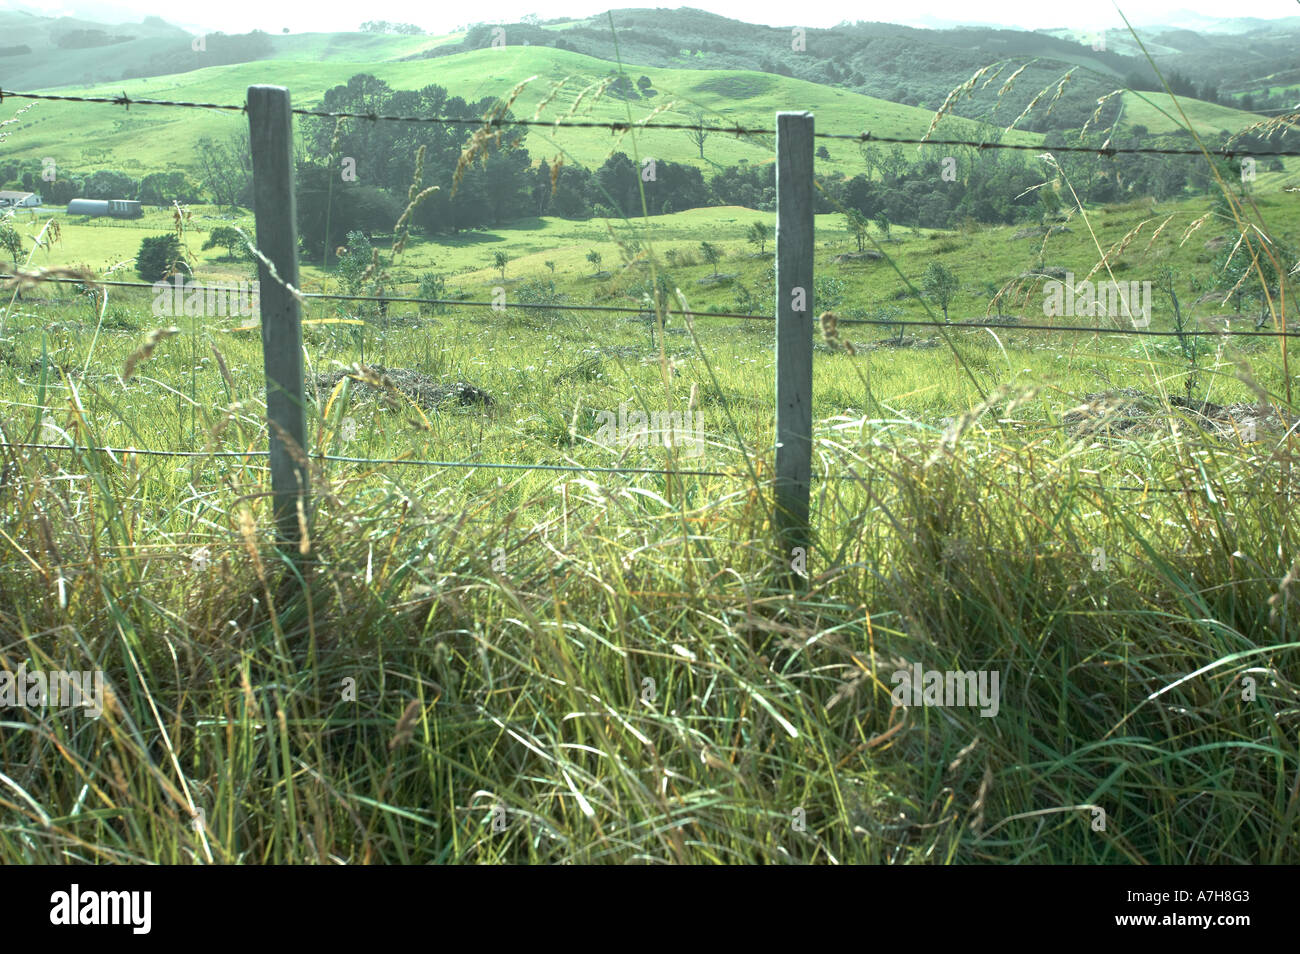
[(564, 468), (740, 131), (692, 315)]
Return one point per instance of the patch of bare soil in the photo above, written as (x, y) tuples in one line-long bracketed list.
[(1036, 231), (907, 341), (989, 320), (386, 383), (1129, 412), (1051, 271)]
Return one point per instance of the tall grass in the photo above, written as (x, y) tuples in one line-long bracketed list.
[(617, 682)]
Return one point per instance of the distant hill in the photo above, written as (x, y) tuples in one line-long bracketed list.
[(38, 52), (905, 65), (89, 137), (45, 52), (1251, 63)]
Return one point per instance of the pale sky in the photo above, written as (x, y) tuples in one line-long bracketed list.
[(436, 16)]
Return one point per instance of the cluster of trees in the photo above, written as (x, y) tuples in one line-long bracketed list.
[(1266, 100), (158, 188), (383, 26), (1179, 85), (990, 188), (359, 176), (87, 39), (504, 183)]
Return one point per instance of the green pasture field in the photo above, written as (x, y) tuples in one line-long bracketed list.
[(1159, 113)]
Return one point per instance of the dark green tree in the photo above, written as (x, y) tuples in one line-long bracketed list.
[(225, 237), (108, 184), (939, 285), (712, 254), (160, 256), (11, 242), (857, 223)]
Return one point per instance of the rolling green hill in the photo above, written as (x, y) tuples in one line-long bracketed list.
[(85, 137), (1159, 113), (55, 57)]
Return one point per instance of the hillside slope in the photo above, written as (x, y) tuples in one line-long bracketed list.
[(46, 52), (88, 137), (1160, 113)]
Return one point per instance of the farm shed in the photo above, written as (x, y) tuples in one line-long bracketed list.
[(117, 208), (19, 200)]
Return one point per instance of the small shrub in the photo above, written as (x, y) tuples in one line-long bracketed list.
[(828, 292), (539, 291), (432, 285)]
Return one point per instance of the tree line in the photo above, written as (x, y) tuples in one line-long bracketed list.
[(356, 175)]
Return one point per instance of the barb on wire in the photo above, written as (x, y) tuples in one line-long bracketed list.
[(270, 268)]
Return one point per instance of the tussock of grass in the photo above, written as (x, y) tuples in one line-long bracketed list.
[(606, 675)]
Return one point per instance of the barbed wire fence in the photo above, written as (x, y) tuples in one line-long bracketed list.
[(499, 122), (1000, 324), (794, 325)]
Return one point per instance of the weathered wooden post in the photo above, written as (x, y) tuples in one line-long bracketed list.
[(270, 127), (794, 331)]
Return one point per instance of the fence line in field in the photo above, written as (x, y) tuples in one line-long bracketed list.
[(498, 122), (1003, 324), (465, 464), (561, 468), (270, 114)]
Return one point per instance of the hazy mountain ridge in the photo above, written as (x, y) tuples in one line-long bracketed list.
[(909, 65)]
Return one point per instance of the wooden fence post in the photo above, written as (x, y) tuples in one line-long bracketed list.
[(794, 330), (270, 127)]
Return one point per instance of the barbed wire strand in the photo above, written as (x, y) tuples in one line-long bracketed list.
[(566, 468), (740, 131), (127, 451), (626, 310)]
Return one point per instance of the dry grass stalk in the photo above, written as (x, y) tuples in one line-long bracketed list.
[(145, 351), (481, 139), (1156, 234), (1116, 250), (1193, 227), (550, 97), (1097, 113), (1060, 88), (967, 88), (30, 278), (1011, 80), (405, 725), (248, 533)]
